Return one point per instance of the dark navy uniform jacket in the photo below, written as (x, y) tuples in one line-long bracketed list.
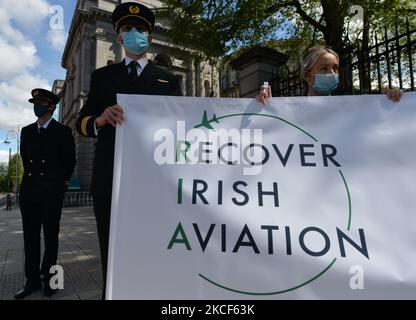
[(48, 160), (105, 84)]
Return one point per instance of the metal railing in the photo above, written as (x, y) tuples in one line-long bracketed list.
[(77, 199), (390, 61)]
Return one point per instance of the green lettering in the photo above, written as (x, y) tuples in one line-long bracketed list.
[(183, 239)]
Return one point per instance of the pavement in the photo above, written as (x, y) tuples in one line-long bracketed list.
[(79, 256)]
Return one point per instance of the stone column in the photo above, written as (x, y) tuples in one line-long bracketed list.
[(197, 78), (191, 73), (255, 67)]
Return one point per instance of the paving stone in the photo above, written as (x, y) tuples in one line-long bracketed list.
[(79, 256)]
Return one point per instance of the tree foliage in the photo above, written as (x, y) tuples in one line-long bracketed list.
[(8, 174), (3, 176), (218, 28)]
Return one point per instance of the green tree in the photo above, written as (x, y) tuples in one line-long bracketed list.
[(15, 160), (218, 28), (3, 176)]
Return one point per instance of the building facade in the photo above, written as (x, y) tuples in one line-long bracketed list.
[(92, 44)]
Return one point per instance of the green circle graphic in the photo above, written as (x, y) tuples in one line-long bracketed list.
[(206, 123)]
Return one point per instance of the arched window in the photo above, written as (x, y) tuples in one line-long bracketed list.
[(163, 60)]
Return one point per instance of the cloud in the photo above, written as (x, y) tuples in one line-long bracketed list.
[(16, 59), (14, 107), (4, 156), (9, 33), (57, 39), (19, 59), (26, 13), (16, 24)]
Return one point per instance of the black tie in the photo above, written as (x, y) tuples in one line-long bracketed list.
[(42, 130), (133, 70)]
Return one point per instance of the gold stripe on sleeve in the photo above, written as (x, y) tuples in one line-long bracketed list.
[(84, 125)]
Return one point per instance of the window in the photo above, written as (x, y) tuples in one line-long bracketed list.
[(163, 60)]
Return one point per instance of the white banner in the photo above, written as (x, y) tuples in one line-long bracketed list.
[(308, 198)]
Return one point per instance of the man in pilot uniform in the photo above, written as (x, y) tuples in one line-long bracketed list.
[(99, 116), (48, 154)]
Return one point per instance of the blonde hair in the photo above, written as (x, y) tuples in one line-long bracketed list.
[(311, 56)]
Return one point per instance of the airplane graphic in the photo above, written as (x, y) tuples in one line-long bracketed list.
[(207, 123)]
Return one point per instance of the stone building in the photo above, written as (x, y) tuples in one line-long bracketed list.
[(92, 44)]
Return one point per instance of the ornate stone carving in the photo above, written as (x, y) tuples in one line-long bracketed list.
[(100, 34)]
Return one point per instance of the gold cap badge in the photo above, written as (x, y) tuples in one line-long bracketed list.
[(134, 9), (35, 93)]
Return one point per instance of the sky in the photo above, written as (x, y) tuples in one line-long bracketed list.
[(33, 34)]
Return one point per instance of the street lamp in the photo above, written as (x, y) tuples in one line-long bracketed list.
[(8, 175), (17, 137)]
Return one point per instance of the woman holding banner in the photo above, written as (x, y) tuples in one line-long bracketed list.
[(320, 68)]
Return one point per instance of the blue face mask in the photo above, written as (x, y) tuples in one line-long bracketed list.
[(40, 109), (325, 83), (135, 41)]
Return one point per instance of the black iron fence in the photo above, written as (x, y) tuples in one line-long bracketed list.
[(287, 82), (390, 61), (77, 199)]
